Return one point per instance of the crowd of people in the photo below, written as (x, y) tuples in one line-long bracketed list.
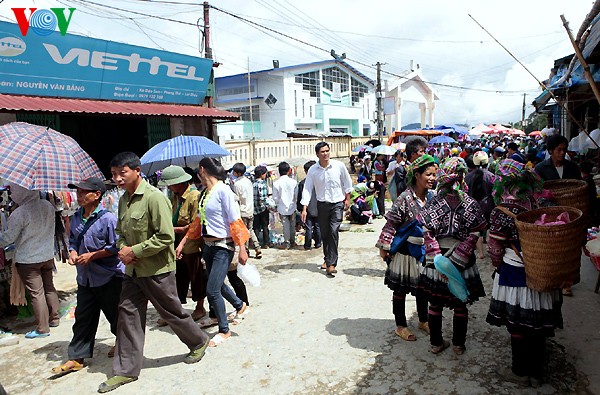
[(448, 201), (183, 235), (161, 245)]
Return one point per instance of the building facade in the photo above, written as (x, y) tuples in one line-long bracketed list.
[(322, 98), (108, 96)]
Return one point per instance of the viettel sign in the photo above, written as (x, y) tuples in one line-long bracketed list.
[(43, 22)]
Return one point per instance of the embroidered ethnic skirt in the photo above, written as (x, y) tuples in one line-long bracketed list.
[(402, 274)]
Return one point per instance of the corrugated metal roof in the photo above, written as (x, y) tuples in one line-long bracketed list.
[(54, 104)]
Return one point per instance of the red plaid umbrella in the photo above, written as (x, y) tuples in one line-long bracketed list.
[(39, 158)]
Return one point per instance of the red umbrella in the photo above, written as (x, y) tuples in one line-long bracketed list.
[(535, 133), (39, 158)]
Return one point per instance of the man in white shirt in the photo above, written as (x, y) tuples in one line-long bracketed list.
[(243, 189), (285, 190), (332, 184)]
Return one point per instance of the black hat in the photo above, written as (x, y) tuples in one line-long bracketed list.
[(90, 184)]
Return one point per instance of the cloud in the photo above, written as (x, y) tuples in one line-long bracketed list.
[(439, 35)]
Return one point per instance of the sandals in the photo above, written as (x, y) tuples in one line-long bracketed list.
[(439, 349), (217, 339), (243, 312), (198, 313), (68, 367), (424, 326), (405, 334), (239, 315), (114, 383), (459, 350), (35, 334), (207, 322)]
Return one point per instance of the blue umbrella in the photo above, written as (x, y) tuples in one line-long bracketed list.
[(441, 140), (180, 151)]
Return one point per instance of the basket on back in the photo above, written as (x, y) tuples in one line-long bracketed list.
[(552, 253), (572, 193)]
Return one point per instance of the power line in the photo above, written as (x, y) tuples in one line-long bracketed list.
[(356, 61), (139, 13), (323, 28), (297, 40)]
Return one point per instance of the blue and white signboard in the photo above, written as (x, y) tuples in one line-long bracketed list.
[(88, 68)]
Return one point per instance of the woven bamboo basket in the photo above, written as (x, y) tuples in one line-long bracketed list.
[(572, 193), (552, 253)]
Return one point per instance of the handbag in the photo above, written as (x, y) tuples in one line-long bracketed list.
[(401, 242)]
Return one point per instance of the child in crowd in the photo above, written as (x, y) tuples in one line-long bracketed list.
[(285, 190), (312, 231)]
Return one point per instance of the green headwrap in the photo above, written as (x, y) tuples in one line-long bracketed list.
[(451, 179), (420, 161)]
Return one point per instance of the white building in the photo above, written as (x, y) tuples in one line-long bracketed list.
[(314, 99)]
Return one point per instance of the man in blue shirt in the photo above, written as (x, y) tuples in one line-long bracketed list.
[(92, 249)]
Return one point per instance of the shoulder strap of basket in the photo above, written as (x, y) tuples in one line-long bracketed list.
[(512, 215), (507, 211)]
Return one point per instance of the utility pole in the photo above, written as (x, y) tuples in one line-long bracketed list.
[(252, 140), (379, 103), (523, 113), (207, 49)]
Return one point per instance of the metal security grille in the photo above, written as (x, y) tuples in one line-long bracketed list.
[(159, 129), (49, 120)]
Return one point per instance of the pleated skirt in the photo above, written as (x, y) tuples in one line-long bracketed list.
[(403, 274), (523, 310), (435, 287)]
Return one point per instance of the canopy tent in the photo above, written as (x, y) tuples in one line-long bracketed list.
[(515, 132), (450, 128), (479, 130), (419, 132)]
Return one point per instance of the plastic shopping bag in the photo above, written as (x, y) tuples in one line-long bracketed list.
[(249, 274)]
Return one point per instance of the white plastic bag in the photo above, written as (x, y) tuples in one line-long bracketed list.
[(249, 274)]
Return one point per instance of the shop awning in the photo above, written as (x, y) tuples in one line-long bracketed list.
[(80, 106)]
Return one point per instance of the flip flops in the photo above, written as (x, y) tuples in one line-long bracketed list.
[(217, 339), (65, 368), (35, 334)]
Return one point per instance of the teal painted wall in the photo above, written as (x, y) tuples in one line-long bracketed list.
[(247, 125), (351, 124)]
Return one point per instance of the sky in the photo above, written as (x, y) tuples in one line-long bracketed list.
[(451, 49)]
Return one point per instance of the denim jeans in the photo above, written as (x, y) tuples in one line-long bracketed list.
[(313, 231), (217, 261), (261, 226)]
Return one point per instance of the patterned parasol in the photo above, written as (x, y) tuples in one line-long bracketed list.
[(39, 158)]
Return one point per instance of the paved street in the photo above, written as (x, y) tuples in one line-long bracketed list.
[(309, 334)]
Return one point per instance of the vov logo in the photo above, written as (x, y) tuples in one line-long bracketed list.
[(43, 22)]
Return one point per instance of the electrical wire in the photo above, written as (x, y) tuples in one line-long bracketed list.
[(273, 31), (354, 60)]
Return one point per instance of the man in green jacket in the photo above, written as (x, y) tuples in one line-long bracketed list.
[(146, 248)]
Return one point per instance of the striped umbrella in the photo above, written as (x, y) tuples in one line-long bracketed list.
[(39, 158), (180, 151)]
